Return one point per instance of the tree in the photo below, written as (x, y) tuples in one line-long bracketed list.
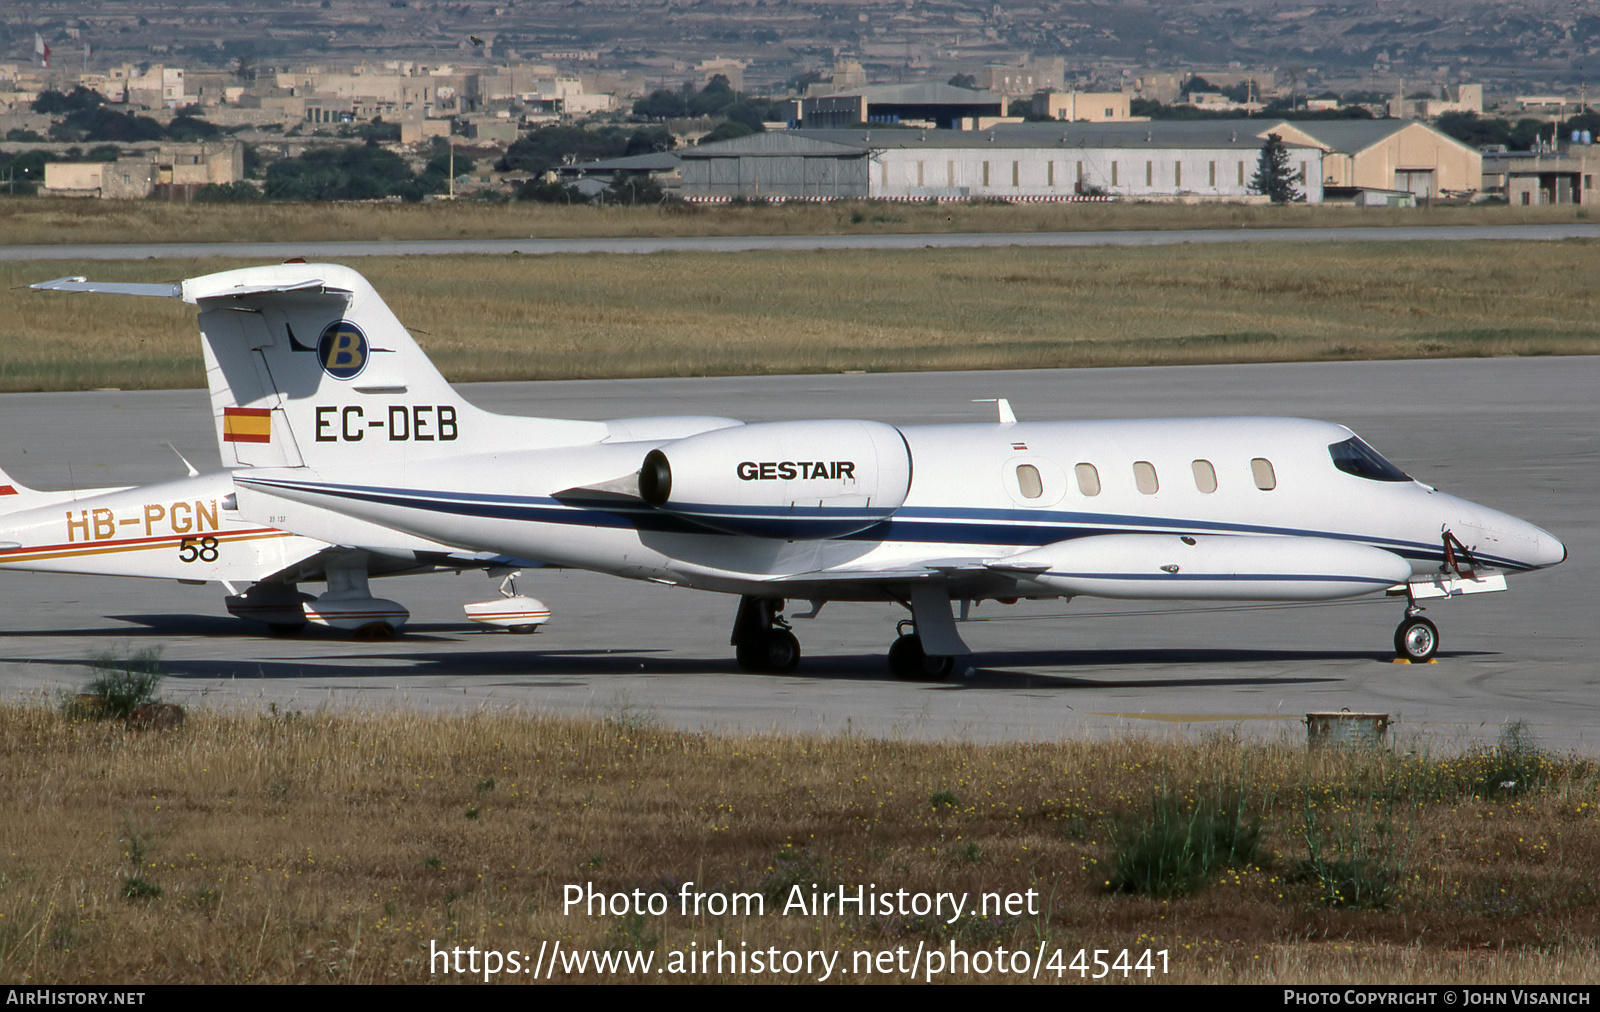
[(727, 130), (1273, 176)]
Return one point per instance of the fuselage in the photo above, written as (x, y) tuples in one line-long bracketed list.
[(974, 492)]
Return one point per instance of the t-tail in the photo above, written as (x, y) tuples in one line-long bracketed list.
[(308, 367)]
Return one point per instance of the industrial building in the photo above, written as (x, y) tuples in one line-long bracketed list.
[(1529, 178), (173, 168)]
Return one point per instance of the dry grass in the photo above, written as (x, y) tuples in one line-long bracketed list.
[(686, 314), (334, 848), (30, 220)]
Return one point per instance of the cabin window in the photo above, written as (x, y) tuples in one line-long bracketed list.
[(1266, 478), (1144, 476), (1029, 482), (1205, 476), (1355, 457), (1088, 479)]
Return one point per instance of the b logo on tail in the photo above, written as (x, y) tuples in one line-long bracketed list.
[(342, 350)]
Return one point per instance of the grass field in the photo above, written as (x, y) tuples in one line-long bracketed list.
[(289, 847), (31, 220), (688, 314)]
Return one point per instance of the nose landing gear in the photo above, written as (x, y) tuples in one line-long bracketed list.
[(1416, 639)]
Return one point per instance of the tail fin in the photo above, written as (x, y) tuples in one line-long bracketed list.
[(307, 366), (14, 495)]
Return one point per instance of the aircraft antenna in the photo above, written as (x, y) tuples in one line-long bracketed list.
[(192, 472)]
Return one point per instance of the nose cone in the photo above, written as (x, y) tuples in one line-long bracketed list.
[(1547, 550), (1511, 544)]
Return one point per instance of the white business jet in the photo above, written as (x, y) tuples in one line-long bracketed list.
[(187, 530), (356, 430)]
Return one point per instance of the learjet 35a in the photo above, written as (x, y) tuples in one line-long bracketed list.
[(354, 426)]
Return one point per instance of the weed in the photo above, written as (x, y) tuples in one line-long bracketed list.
[(1176, 847), (1515, 765), (944, 799), (137, 888), (433, 862), (138, 841), (593, 861), (119, 685), (486, 785), (631, 719), (631, 933), (206, 900), (472, 812), (1354, 856), (793, 868), (971, 853), (282, 716)]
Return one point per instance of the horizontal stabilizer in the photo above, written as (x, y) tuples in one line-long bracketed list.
[(82, 284), (215, 286)]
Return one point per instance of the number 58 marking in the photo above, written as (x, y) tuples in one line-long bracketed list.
[(197, 550)]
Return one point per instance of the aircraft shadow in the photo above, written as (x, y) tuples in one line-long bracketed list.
[(535, 668), (143, 627)]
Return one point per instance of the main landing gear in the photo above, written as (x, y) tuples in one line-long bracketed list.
[(761, 638), (910, 663), (926, 650)]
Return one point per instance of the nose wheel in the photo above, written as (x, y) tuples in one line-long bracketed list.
[(1416, 639)]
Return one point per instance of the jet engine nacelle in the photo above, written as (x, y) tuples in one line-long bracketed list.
[(791, 480)]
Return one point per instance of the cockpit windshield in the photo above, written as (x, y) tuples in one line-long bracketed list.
[(1355, 457)]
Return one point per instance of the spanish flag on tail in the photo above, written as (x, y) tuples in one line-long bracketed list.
[(247, 425)]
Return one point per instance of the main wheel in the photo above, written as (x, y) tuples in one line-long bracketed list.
[(781, 651), (1416, 639), (774, 652), (909, 663)]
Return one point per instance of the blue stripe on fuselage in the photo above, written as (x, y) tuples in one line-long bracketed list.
[(912, 524)]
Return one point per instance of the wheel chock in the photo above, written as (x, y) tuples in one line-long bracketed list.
[(1407, 660)]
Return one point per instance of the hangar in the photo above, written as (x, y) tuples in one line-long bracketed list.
[(1388, 154), (942, 106), (1204, 160)]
